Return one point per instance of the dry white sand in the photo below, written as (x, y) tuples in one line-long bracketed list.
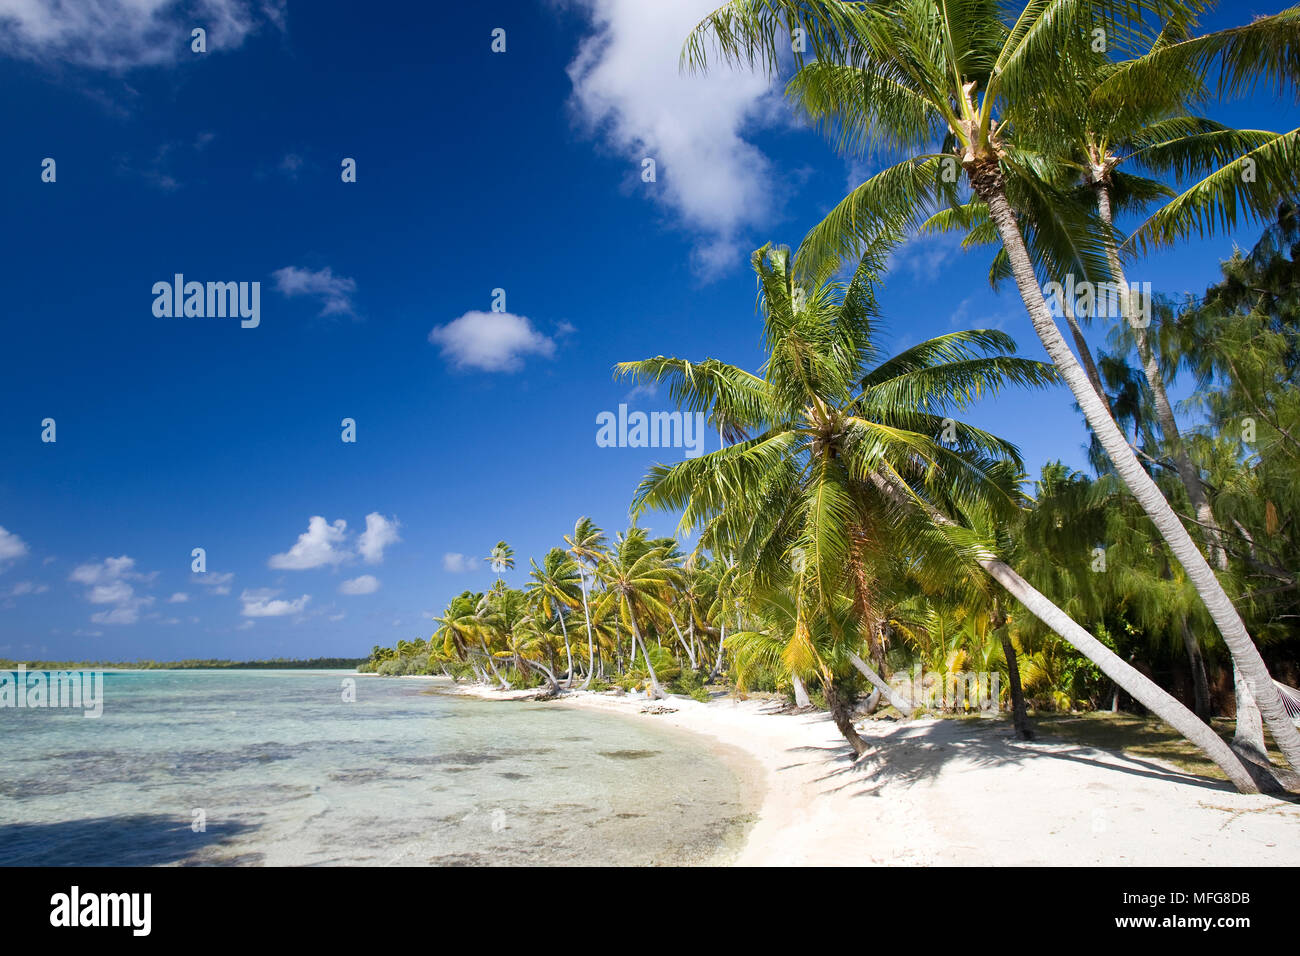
[(965, 792)]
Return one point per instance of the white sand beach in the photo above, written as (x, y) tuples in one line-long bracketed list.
[(964, 792)]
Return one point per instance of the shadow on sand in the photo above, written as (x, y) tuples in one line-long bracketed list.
[(912, 753)]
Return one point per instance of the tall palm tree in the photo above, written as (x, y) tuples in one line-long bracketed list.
[(551, 590), (587, 548), (638, 579), (934, 71), (851, 460), (1100, 128), (501, 558)]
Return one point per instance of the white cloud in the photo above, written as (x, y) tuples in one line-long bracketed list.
[(247, 625), (180, 597), (27, 587), (628, 88), (116, 35), (335, 292), (109, 582), (366, 584), (316, 547), (11, 546), (458, 563), (263, 603), (114, 592), (490, 341), (379, 534), (215, 582)]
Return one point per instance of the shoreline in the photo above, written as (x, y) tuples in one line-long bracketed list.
[(957, 792)]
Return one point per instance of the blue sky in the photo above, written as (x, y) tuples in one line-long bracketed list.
[(476, 171)]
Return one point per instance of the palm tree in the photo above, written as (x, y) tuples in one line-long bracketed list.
[(850, 463), (502, 559), (587, 548), (816, 646), (928, 70), (638, 579), (462, 625), (1111, 124), (551, 590)]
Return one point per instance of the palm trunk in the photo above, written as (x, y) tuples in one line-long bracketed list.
[(1085, 353), (722, 640), (690, 655), (1200, 682), (1186, 468), (591, 640), (1142, 689), (880, 684), (550, 676), (656, 691), (1133, 475), (1019, 713), (568, 653), (842, 713), (505, 685), (1250, 729), (801, 698)]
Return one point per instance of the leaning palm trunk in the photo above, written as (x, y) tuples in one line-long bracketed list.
[(655, 690), (1141, 688), (1250, 728), (690, 654), (989, 185), (505, 684), (551, 680), (1183, 464), (880, 684), (568, 653), (722, 640)]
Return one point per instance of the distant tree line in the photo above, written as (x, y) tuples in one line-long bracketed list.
[(278, 663)]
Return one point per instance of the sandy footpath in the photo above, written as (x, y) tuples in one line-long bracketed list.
[(965, 793)]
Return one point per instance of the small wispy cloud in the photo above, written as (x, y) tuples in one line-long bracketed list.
[(116, 36), (334, 292), (216, 582), (264, 602), (926, 258), (457, 563), (110, 582)]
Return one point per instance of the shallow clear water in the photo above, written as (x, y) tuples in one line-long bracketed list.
[(286, 772)]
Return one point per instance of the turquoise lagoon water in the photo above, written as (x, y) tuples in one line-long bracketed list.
[(285, 772)]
